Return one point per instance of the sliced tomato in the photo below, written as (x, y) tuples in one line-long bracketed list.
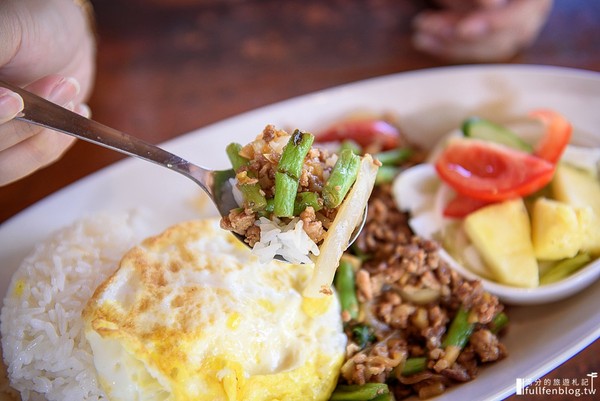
[(461, 205), (364, 132), (488, 171), (556, 137)]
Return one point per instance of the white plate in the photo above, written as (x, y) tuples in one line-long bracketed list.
[(429, 103)]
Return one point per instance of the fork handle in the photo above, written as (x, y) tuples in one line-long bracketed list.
[(42, 112)]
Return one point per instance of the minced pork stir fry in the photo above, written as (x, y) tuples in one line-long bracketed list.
[(415, 326), (288, 181), (412, 323)]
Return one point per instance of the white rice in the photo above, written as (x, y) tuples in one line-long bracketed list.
[(290, 241), (45, 351)]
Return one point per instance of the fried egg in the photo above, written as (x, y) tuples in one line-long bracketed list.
[(191, 314)]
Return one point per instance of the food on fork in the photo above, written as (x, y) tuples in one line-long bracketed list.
[(297, 201)]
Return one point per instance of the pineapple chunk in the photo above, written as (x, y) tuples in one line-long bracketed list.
[(578, 188), (555, 230), (501, 232), (589, 221)]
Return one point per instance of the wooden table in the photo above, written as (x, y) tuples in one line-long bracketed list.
[(165, 68)]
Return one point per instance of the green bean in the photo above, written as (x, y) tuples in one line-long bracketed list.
[(384, 397), (350, 144), (233, 153), (355, 392), (254, 197), (294, 152), (268, 209), (341, 179), (359, 253), (285, 194), (345, 285), (306, 199), (458, 335), (499, 322), (565, 268), (288, 172), (414, 365), (460, 330), (386, 174), (394, 156)]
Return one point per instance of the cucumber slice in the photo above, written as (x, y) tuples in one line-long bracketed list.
[(480, 128)]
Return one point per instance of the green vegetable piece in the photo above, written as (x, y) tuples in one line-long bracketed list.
[(457, 337), (480, 128), (285, 195), (460, 330), (386, 174), (565, 268), (345, 285), (362, 335), (288, 172), (384, 397), (394, 156), (254, 197), (294, 152), (499, 322), (268, 209), (352, 145), (414, 365), (355, 392), (359, 253), (306, 199), (341, 179), (233, 153)]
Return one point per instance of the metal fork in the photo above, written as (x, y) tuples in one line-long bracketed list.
[(215, 183)]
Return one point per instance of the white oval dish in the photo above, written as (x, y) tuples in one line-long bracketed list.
[(420, 192), (562, 289), (429, 103)]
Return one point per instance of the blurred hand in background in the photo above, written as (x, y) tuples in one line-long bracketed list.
[(480, 30)]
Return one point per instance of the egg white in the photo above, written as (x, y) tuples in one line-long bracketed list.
[(192, 315)]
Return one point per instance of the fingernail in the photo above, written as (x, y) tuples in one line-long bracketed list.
[(11, 104), (84, 110), (64, 91)]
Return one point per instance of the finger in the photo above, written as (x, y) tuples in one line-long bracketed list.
[(11, 104), (58, 90), (37, 151), (31, 154), (493, 48), (519, 18), (436, 23)]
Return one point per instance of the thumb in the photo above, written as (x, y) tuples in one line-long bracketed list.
[(11, 104)]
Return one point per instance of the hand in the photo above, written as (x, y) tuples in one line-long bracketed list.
[(47, 47), (480, 30)]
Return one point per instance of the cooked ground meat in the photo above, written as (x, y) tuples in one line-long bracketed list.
[(312, 225), (409, 294), (238, 221)]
